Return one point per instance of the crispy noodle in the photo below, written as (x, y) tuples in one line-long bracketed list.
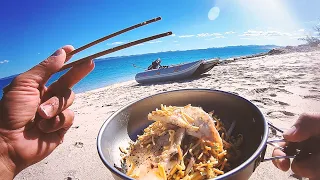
[(194, 158)]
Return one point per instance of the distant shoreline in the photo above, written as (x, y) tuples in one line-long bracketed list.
[(112, 57), (124, 56), (274, 51), (275, 47), (270, 51)]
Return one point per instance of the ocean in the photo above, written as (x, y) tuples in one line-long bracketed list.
[(119, 69)]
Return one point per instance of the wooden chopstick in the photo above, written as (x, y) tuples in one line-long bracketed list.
[(114, 49), (113, 35)]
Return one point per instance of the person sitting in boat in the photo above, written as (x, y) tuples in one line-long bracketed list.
[(155, 64)]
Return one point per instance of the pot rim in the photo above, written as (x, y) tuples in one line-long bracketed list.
[(243, 165)]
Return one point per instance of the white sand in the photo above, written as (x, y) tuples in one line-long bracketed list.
[(282, 86)]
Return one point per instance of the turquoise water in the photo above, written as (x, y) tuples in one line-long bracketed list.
[(118, 69)]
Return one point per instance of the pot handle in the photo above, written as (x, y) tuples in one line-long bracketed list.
[(274, 144), (292, 149), (262, 158)]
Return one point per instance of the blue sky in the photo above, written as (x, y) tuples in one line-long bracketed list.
[(32, 30)]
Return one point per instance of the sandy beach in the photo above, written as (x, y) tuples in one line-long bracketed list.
[(282, 86)]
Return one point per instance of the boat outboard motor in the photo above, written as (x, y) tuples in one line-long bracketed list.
[(155, 64)]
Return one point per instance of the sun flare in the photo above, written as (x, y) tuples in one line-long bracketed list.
[(214, 13)]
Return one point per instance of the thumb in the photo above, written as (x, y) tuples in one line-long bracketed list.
[(40, 74), (306, 126)]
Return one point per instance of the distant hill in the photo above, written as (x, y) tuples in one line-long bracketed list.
[(262, 46)]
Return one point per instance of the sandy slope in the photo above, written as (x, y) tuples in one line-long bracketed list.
[(282, 86)]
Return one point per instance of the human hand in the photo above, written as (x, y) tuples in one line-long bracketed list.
[(308, 125), (33, 117)]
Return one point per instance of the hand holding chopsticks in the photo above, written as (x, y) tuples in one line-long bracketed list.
[(111, 50), (40, 115)]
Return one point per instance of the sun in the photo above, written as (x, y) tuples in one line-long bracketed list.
[(214, 13)]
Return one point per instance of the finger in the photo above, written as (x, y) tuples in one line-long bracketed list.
[(282, 164), (306, 126), (68, 49), (56, 104), (43, 90), (308, 167), (73, 76), (61, 132), (39, 75), (61, 121)]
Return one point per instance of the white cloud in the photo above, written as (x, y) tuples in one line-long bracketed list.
[(173, 35), (154, 42), (185, 36), (204, 35), (140, 44), (175, 41), (217, 37), (273, 35), (276, 33), (4, 61), (230, 32), (38, 53), (201, 35), (217, 34), (252, 33), (255, 33), (297, 37), (115, 43), (301, 33), (209, 35)]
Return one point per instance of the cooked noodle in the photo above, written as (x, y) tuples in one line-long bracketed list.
[(195, 158)]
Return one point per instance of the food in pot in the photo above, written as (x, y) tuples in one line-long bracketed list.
[(183, 143)]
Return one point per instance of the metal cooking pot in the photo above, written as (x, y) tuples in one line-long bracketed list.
[(125, 124)]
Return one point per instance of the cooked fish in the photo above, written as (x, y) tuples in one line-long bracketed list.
[(153, 155), (195, 120)]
